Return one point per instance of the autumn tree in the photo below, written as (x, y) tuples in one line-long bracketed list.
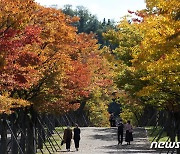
[(152, 56), (48, 65), (125, 38), (158, 57), (18, 63)]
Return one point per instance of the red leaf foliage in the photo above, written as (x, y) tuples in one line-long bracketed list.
[(17, 69)]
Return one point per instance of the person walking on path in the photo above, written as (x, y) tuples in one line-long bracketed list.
[(129, 131), (120, 132), (112, 120), (77, 132), (67, 137)]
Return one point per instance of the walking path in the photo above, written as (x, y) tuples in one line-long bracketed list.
[(98, 140)]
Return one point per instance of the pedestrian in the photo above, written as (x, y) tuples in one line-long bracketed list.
[(120, 132), (129, 130), (112, 120), (67, 137), (77, 132)]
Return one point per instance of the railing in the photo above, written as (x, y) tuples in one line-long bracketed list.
[(26, 132)]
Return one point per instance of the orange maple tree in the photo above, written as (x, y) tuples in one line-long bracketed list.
[(44, 61)]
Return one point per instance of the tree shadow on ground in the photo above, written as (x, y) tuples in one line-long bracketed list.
[(133, 148), (107, 134), (139, 145), (65, 151)]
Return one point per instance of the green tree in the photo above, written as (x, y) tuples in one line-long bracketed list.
[(148, 51), (88, 23)]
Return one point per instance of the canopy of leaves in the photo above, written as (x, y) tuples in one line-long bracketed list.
[(44, 61), (148, 52), (88, 22)]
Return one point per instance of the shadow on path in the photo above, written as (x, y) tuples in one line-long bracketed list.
[(98, 140), (139, 145)]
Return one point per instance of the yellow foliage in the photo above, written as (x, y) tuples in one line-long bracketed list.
[(7, 105), (158, 53)]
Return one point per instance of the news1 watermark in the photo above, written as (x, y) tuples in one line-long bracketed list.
[(165, 145)]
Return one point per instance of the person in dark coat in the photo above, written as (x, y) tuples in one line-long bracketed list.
[(67, 137), (112, 120), (77, 132), (129, 130), (120, 132)]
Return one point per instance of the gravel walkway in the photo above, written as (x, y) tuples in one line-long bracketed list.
[(98, 140)]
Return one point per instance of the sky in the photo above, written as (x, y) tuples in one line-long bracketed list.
[(109, 9)]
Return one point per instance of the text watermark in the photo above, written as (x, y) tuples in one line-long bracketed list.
[(165, 145)]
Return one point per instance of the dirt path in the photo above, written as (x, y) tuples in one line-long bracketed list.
[(95, 140)]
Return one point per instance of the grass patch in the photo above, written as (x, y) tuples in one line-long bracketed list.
[(60, 129), (51, 141), (153, 133), (57, 139)]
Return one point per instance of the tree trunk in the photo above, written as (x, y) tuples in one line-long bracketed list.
[(14, 146), (40, 137), (14, 139), (172, 125), (178, 139), (177, 117), (23, 124), (31, 146), (3, 136)]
